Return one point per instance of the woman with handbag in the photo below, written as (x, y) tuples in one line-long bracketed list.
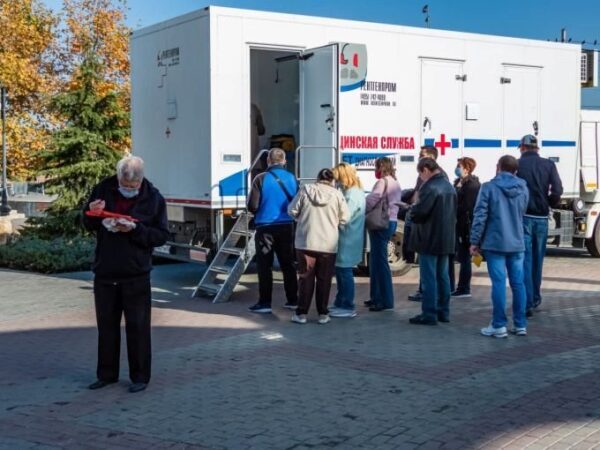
[(351, 241), (319, 210), (381, 222)]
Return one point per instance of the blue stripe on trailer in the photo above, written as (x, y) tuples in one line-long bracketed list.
[(454, 143), (559, 143), (233, 185), (429, 142), (513, 143), (488, 143)]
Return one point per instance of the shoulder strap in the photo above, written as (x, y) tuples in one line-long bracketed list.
[(282, 186)]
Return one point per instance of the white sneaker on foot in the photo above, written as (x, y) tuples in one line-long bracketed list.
[(519, 331), (299, 318), (494, 332), (323, 319), (342, 313)]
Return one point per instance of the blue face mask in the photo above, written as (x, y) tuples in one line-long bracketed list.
[(458, 172), (128, 193)]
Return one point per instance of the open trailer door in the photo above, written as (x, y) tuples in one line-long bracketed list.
[(318, 111)]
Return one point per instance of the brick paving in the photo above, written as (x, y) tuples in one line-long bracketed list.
[(227, 379)]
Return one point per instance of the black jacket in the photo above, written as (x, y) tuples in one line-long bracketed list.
[(121, 256), (434, 218), (543, 182), (465, 204)]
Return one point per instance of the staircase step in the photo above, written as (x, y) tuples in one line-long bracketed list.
[(212, 288), (220, 269), (232, 250)]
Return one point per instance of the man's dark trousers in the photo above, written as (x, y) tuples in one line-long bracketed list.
[(131, 297), (276, 240)]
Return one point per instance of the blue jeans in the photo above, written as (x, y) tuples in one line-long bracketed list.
[(382, 291), (435, 283), (344, 278), (499, 264), (536, 235)]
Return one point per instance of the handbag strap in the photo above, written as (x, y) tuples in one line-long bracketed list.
[(289, 196)]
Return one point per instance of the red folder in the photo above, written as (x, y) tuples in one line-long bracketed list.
[(103, 214)]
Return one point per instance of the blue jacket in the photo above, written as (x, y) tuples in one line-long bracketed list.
[(543, 182), (268, 200), (352, 235), (498, 216)]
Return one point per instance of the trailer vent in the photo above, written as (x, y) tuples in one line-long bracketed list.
[(589, 68)]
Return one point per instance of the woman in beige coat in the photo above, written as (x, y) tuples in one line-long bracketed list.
[(319, 210)]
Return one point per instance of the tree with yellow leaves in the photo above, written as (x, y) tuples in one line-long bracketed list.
[(26, 68)]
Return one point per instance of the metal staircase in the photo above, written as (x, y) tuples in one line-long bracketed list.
[(230, 262), (233, 257)]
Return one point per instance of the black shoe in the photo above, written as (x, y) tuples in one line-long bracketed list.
[(137, 387), (416, 297), (529, 313), (369, 303), (260, 309), (443, 319), (460, 294), (99, 384), (420, 320), (378, 308)]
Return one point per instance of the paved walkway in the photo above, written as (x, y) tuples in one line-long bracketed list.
[(223, 378)]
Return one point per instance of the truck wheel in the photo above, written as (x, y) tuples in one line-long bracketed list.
[(593, 244), (398, 265)]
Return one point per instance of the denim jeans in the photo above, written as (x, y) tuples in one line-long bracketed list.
[(435, 283), (344, 278), (499, 264), (382, 291), (463, 257), (536, 235)]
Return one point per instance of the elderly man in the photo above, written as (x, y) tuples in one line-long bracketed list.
[(272, 191), (122, 266), (433, 237), (545, 189)]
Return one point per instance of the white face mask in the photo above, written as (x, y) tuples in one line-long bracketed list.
[(128, 192)]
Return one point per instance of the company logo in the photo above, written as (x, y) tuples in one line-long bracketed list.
[(353, 66)]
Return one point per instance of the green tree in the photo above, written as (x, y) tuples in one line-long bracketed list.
[(84, 150)]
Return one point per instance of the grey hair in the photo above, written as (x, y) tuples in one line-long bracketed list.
[(130, 168), (276, 156)]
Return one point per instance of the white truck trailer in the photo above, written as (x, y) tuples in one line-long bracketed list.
[(350, 91)]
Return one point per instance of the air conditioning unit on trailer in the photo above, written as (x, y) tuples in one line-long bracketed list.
[(589, 68)]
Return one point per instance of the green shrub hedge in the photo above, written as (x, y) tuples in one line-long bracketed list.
[(48, 256)]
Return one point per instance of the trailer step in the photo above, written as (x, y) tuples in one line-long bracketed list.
[(221, 290)]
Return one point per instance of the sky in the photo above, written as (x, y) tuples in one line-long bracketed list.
[(537, 19)]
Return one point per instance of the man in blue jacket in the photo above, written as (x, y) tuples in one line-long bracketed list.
[(271, 193), (545, 189), (497, 231)]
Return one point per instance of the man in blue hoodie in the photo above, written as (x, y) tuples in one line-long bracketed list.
[(497, 231), (271, 193)]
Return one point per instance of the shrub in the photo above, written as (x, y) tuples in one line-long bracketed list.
[(48, 256)]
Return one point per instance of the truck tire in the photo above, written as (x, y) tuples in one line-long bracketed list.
[(593, 244), (398, 265)]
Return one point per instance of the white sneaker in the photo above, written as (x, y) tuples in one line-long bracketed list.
[(299, 318), (342, 313), (519, 331), (324, 318), (494, 332)]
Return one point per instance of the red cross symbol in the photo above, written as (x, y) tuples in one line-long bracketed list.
[(443, 144)]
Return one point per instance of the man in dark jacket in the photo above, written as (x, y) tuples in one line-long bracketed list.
[(272, 191), (433, 237), (122, 266), (498, 231), (545, 189)]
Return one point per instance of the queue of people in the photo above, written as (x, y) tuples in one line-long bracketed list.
[(320, 228), (446, 224)]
